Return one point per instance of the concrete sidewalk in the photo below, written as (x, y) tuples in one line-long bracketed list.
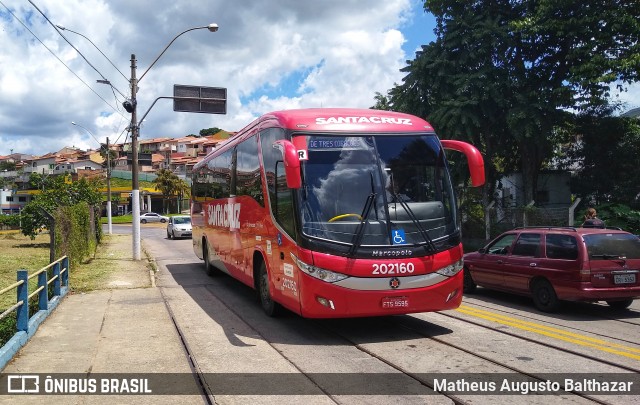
[(125, 328)]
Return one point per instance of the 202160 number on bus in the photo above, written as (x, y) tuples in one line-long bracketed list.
[(393, 268)]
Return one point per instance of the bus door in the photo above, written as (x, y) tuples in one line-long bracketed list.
[(284, 275)]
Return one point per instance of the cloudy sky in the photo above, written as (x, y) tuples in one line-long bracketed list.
[(269, 55)]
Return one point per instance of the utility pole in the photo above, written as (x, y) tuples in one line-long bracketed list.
[(135, 188), (130, 105)]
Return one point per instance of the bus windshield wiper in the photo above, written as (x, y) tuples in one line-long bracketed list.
[(416, 222), (357, 237)]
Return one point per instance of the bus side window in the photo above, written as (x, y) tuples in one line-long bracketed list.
[(280, 196), (283, 209), (248, 179), (220, 169)]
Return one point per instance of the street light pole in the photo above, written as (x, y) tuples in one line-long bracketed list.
[(132, 107)]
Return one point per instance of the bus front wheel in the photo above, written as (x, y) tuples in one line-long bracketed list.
[(270, 307)]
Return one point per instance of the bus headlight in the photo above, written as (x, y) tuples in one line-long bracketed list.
[(452, 269), (317, 272)]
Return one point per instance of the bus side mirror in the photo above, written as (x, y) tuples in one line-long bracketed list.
[(291, 163), (474, 159)]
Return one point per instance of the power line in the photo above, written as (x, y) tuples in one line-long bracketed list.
[(76, 49), (60, 60)]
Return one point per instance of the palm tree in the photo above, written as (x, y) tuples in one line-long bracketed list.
[(183, 190), (169, 185)]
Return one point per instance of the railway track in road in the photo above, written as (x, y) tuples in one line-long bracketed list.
[(338, 332), (402, 322), (387, 346)]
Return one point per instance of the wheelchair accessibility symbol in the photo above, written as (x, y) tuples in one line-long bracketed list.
[(397, 236)]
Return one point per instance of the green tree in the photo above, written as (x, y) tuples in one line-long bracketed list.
[(169, 184), (607, 149), (209, 131), (113, 156), (183, 190), (57, 192), (40, 181), (503, 74), (8, 166)]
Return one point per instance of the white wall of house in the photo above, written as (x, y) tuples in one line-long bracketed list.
[(46, 166), (10, 202)]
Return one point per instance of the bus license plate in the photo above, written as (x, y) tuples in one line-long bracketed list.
[(395, 302), (624, 278)]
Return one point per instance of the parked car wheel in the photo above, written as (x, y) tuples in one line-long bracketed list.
[(144, 221), (168, 235), (544, 296), (623, 304), (163, 220), (469, 285)]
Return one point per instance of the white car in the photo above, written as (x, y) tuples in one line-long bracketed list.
[(152, 217), (179, 226)]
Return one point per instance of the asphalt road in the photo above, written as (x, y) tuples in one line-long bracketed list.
[(491, 334)]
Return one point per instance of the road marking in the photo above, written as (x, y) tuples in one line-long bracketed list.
[(555, 333)]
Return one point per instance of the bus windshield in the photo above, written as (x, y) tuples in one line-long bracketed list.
[(377, 190)]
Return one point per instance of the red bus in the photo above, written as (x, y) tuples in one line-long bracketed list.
[(334, 213)]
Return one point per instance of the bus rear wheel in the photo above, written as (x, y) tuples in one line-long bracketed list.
[(269, 306), (209, 268)]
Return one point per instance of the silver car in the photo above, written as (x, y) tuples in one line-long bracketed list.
[(152, 217), (179, 226)]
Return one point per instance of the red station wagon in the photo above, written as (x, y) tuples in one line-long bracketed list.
[(552, 264)]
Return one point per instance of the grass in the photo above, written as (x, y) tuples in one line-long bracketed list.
[(127, 219), (120, 219), (20, 252)]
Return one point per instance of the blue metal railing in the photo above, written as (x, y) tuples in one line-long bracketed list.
[(26, 326)]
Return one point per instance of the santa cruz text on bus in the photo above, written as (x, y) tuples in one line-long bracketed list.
[(362, 120)]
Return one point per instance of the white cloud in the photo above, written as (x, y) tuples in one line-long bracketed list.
[(298, 54), (629, 97)]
